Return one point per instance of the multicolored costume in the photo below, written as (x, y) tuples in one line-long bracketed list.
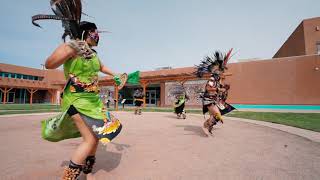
[(215, 93), (180, 95), (179, 106), (138, 100), (81, 92)]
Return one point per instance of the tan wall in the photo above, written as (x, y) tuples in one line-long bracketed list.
[(312, 35), (54, 75), (294, 45), (292, 80)]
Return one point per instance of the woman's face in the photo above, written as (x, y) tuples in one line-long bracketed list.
[(93, 38)]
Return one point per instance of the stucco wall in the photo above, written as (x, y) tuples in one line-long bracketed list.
[(312, 35), (293, 80), (294, 45)]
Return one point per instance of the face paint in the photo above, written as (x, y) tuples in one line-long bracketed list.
[(95, 36)]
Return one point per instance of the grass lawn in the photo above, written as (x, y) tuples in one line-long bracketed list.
[(309, 121), (28, 106), (28, 111)]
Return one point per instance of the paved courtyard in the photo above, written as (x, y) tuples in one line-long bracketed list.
[(157, 146)]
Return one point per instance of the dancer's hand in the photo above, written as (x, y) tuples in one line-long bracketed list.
[(82, 48)]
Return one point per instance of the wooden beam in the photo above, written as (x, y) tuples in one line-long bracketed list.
[(161, 78), (5, 92), (4, 96), (2, 90), (116, 96), (52, 98), (144, 86), (31, 91)]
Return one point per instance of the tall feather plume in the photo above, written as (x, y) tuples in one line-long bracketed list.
[(227, 57), (219, 59), (69, 12), (207, 63)]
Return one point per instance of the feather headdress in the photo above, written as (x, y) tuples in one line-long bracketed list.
[(69, 12), (209, 62)]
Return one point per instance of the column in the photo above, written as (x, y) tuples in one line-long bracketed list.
[(31, 91)]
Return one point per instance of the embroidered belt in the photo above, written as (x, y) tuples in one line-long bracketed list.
[(77, 86)]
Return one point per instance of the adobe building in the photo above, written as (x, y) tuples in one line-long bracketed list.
[(291, 77), (21, 85), (305, 40)]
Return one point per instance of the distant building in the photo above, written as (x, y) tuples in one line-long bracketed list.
[(290, 77), (305, 40), (29, 85)]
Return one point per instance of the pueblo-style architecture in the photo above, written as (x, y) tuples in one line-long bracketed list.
[(290, 77)]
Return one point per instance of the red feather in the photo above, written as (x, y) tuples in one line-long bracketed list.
[(227, 57)]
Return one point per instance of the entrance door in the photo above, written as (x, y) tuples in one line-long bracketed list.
[(151, 98)]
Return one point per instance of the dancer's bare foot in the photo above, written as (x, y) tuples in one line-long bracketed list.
[(206, 131), (205, 127)]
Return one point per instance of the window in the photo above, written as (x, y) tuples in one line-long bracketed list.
[(20, 76), (318, 47)]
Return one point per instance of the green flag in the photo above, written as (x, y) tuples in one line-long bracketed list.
[(133, 78)]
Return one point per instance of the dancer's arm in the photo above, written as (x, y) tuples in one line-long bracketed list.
[(104, 69), (59, 56)]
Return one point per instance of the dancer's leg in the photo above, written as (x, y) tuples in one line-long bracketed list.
[(84, 149), (89, 143)]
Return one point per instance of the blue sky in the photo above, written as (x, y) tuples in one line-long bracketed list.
[(147, 34)]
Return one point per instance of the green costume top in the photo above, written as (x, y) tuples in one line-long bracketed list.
[(82, 92), (180, 101), (84, 73)]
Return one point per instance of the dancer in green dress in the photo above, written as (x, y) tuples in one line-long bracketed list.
[(81, 97), (181, 97), (83, 111)]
